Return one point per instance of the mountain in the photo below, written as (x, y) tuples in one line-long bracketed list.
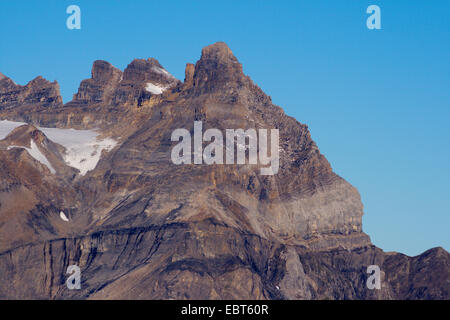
[(141, 227)]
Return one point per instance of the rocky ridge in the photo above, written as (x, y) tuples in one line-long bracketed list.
[(37, 92)]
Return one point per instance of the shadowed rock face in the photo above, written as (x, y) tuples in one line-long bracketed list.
[(141, 227)]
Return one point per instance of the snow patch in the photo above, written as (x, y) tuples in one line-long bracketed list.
[(155, 89), (83, 148), (36, 154), (63, 216)]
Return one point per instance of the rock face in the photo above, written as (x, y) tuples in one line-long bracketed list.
[(100, 88), (141, 227), (38, 92), (136, 78)]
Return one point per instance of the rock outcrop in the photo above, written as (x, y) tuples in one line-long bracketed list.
[(100, 88), (142, 227), (142, 79)]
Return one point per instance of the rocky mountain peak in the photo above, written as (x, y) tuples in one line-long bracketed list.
[(218, 51), (37, 92), (108, 86), (147, 70), (100, 87), (217, 67), (104, 71), (7, 85)]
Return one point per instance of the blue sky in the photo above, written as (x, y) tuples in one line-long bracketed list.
[(377, 102)]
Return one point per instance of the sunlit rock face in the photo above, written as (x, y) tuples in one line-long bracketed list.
[(141, 227)]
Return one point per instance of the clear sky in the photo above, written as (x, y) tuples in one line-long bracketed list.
[(377, 102)]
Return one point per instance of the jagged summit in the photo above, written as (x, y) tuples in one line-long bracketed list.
[(151, 72), (146, 70), (6, 85), (100, 87), (217, 67), (142, 78), (38, 92), (104, 71), (110, 86)]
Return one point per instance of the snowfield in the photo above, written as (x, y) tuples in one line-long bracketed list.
[(155, 89), (83, 147)]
